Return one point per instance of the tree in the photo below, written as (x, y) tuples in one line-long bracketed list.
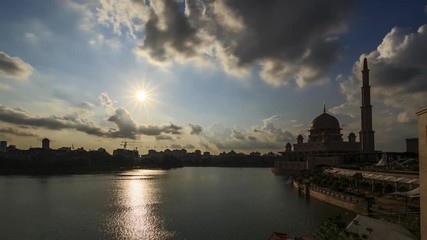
[(335, 229), (357, 178)]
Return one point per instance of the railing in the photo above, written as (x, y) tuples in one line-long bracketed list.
[(336, 194)]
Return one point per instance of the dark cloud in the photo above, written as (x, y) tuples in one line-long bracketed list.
[(158, 130), (163, 137), (178, 146), (252, 138), (125, 123), (14, 67), (237, 135), (175, 146), (167, 32), (195, 129), (399, 62), (189, 146), (17, 132), (127, 128), (20, 117), (288, 40), (398, 84), (397, 74)]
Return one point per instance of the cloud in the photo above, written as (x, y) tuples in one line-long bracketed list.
[(189, 146), (4, 86), (178, 146), (405, 117), (151, 130), (397, 71), (195, 129), (274, 132), (127, 128), (175, 146), (14, 67), (345, 109), (289, 41), (17, 132), (398, 86), (106, 101), (167, 33), (20, 117), (264, 137), (125, 123), (252, 138), (237, 135), (84, 108), (85, 18), (163, 137), (100, 40)]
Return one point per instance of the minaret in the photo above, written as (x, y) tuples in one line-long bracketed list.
[(366, 133)]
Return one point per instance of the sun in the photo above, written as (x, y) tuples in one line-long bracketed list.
[(141, 95)]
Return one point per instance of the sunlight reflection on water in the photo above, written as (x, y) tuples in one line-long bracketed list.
[(137, 198)]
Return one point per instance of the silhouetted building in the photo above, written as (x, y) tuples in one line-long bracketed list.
[(65, 149), (126, 153), (153, 153), (102, 150), (3, 146), (366, 133), (45, 143), (325, 144), (325, 137), (422, 148), (412, 145)]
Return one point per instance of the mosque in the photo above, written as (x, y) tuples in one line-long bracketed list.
[(325, 144)]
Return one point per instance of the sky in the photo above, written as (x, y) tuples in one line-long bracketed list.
[(213, 75)]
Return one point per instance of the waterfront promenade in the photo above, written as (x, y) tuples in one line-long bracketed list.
[(386, 195)]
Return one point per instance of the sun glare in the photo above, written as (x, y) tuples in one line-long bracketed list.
[(141, 95)]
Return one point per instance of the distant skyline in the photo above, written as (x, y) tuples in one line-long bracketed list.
[(209, 75)]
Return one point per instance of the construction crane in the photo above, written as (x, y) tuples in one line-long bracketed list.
[(126, 143)]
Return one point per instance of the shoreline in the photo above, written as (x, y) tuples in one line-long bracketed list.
[(355, 204), (82, 171)]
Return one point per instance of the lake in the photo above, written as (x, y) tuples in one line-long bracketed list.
[(185, 203)]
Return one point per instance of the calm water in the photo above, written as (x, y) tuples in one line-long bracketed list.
[(187, 203)]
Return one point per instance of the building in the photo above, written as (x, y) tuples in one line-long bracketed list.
[(126, 153), (367, 139), (422, 151), (45, 143), (412, 145), (325, 137), (3, 146), (325, 144)]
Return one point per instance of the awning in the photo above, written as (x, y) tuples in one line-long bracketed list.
[(411, 193)]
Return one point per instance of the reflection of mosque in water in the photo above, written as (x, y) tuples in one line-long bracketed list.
[(325, 144)]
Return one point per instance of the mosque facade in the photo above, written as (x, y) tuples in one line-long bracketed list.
[(326, 145)]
